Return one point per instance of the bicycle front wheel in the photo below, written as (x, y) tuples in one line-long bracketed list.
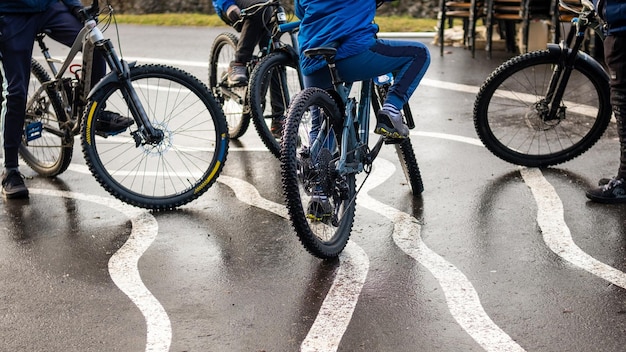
[(510, 111), (231, 98), (172, 170), (46, 143), (320, 201), (273, 82), (404, 148)]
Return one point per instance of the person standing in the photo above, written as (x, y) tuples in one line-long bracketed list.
[(613, 12), (20, 22)]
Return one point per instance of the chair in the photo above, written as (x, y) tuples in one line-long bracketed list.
[(467, 10), (506, 14)]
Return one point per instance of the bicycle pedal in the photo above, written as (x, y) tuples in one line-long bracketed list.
[(33, 130)]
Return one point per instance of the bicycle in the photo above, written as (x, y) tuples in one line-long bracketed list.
[(546, 107), (325, 162), (275, 66), (171, 154)]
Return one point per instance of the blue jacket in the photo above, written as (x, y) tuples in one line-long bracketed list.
[(222, 5), (32, 6), (348, 24), (614, 13)]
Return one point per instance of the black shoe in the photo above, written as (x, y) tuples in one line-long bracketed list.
[(111, 123), (13, 186), (319, 208), (277, 126), (613, 192), (237, 74)]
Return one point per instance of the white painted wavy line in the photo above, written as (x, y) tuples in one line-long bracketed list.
[(338, 306), (556, 233), (461, 297), (123, 266)]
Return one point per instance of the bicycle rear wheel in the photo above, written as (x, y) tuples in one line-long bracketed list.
[(167, 173), (46, 146), (308, 174), (273, 82), (231, 98), (510, 111)]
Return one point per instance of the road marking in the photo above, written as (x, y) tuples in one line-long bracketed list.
[(461, 297), (123, 265), (556, 233), (336, 311)]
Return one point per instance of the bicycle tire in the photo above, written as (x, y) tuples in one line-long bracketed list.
[(404, 147), (232, 99), (50, 153), (303, 173), (281, 67), (177, 169), (506, 108)]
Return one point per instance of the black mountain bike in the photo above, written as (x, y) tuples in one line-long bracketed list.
[(546, 107), (274, 76), (171, 154), (320, 160)]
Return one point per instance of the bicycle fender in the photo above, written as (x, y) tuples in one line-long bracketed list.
[(582, 58), (108, 78), (594, 64), (291, 52)]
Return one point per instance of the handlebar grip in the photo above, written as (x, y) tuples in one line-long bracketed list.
[(288, 27)]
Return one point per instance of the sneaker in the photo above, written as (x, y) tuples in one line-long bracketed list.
[(390, 126), (614, 191), (277, 126), (237, 73), (111, 123), (13, 186), (319, 208)]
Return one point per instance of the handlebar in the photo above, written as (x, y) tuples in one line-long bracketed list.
[(88, 12), (586, 6)]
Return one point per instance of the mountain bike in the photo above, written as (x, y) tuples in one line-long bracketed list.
[(546, 107), (274, 76), (325, 146), (171, 154)]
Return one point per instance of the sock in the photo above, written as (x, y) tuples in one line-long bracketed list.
[(395, 112)]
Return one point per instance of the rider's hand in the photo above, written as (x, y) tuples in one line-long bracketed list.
[(233, 13), (76, 12)]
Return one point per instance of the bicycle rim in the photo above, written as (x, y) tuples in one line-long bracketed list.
[(273, 82), (177, 169), (508, 111), (308, 170), (44, 147), (232, 99)]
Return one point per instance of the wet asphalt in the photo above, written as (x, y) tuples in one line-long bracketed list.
[(492, 257)]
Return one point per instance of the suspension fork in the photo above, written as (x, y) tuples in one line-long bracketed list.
[(120, 68), (562, 73)]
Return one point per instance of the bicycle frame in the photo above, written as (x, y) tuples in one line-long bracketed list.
[(89, 40), (356, 115)]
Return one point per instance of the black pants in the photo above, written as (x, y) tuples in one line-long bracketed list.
[(17, 35), (255, 31), (615, 59)]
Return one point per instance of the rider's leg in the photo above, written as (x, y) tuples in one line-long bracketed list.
[(408, 60), (614, 190), (64, 27)]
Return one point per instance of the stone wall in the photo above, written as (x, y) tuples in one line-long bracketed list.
[(420, 9)]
